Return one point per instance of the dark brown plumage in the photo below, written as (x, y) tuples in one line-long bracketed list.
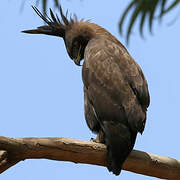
[(115, 90)]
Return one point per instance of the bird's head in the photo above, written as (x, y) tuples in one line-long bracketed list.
[(76, 34), (76, 40)]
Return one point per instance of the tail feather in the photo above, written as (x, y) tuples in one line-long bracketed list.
[(119, 141)]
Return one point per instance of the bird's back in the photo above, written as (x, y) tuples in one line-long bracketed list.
[(117, 91)]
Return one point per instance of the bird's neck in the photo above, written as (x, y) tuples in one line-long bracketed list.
[(92, 30)]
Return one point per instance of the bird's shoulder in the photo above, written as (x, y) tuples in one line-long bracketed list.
[(104, 46)]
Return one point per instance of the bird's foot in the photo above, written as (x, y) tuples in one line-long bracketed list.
[(99, 138), (95, 140)]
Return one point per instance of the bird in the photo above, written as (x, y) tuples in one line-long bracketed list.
[(116, 95)]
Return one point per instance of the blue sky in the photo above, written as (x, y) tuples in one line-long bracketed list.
[(41, 91)]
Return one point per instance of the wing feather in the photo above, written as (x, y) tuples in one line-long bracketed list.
[(115, 84)]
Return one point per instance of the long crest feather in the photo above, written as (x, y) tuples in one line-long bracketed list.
[(45, 19), (54, 20), (52, 16), (64, 18), (55, 26)]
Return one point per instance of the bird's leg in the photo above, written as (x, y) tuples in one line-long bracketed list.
[(99, 138)]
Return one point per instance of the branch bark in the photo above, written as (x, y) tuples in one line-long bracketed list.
[(64, 149)]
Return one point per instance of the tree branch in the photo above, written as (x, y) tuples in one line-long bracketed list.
[(64, 149)]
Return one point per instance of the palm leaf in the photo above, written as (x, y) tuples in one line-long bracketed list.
[(151, 15), (142, 8), (124, 15), (56, 2), (174, 4), (44, 4), (133, 19), (144, 13), (163, 3)]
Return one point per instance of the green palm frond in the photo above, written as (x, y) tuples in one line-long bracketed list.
[(174, 4), (145, 10)]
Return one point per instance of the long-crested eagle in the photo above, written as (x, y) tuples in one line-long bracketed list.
[(116, 94)]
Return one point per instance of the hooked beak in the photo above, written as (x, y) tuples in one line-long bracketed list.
[(77, 60)]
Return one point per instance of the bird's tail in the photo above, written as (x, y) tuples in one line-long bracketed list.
[(119, 141)]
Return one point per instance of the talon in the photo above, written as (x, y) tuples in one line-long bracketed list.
[(96, 140)]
